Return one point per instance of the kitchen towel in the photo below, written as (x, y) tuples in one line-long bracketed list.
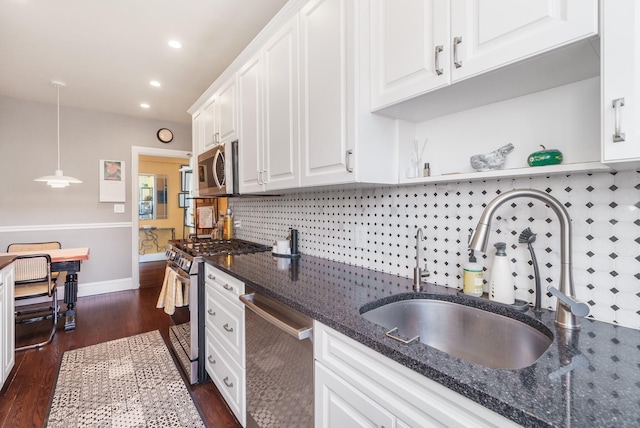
[(172, 295)]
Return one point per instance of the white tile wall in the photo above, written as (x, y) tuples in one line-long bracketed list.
[(604, 207)]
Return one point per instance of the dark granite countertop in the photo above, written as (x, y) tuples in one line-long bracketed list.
[(5, 261), (589, 378)]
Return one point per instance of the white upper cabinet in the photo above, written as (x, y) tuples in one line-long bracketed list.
[(413, 41), (269, 118), (620, 85), (250, 120), (341, 141), (209, 135), (326, 37), (227, 112), (281, 109), (486, 34), (409, 49), (220, 116)]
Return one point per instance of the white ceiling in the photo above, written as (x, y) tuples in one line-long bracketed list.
[(107, 51)]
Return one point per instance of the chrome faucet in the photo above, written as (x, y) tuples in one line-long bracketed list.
[(419, 275), (567, 309)]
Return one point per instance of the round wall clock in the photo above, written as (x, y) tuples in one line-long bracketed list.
[(164, 135)]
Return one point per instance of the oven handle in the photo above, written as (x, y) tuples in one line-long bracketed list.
[(299, 333), (183, 279)]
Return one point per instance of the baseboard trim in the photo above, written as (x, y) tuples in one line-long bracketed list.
[(88, 289)]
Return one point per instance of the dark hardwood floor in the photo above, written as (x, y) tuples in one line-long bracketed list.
[(24, 400), (152, 273)]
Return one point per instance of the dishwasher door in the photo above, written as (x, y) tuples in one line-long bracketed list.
[(279, 363)]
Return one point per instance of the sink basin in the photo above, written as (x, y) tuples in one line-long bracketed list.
[(472, 334)]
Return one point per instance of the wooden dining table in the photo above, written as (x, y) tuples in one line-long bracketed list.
[(64, 260)]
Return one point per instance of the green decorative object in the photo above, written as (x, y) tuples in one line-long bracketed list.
[(545, 157)]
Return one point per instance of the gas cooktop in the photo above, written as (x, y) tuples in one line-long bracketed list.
[(213, 247)]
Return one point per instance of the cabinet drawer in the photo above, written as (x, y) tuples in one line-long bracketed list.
[(225, 320), (229, 377), (232, 287)]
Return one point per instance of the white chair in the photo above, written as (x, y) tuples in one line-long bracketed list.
[(33, 280)]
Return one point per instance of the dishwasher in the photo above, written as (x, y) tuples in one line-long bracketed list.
[(279, 364)]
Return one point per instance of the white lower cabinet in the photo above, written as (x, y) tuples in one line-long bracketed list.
[(7, 324), (224, 338), (342, 405), (358, 387)]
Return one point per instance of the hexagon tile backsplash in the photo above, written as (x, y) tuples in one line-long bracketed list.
[(604, 208)]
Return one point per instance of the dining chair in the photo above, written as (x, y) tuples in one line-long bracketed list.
[(37, 246), (33, 280)]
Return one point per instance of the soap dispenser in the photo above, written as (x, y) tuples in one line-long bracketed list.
[(472, 279), (501, 287)]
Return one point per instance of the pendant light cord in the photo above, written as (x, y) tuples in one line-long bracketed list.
[(58, 87)]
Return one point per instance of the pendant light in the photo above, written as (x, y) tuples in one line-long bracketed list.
[(58, 180)]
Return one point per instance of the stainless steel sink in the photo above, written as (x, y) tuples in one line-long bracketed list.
[(472, 334)]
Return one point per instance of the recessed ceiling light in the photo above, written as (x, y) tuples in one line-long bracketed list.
[(144, 105), (154, 83), (175, 44)]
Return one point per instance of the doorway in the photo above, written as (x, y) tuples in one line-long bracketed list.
[(156, 215)]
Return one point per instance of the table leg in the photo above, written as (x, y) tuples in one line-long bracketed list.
[(70, 298)]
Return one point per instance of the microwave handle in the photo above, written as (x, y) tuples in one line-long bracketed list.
[(215, 171)]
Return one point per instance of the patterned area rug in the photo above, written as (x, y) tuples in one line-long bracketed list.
[(130, 382)]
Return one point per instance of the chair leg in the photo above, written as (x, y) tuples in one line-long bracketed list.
[(54, 306)]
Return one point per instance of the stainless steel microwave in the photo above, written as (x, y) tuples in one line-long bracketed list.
[(218, 170)]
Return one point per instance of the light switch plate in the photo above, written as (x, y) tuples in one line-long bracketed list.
[(118, 208), (361, 233)]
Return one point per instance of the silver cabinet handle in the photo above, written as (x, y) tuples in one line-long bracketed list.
[(227, 287), (226, 327), (618, 136), (226, 382), (347, 157), (399, 339), (260, 182), (439, 50), (264, 174), (211, 312), (211, 360), (211, 277), (456, 60)]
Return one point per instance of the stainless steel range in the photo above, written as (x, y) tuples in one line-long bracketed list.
[(184, 258)]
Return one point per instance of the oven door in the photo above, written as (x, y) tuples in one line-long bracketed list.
[(183, 328)]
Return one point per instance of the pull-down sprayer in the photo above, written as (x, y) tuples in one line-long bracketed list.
[(567, 309)]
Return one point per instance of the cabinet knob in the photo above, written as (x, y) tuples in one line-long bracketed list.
[(227, 287), (211, 360), (226, 327), (211, 312)]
